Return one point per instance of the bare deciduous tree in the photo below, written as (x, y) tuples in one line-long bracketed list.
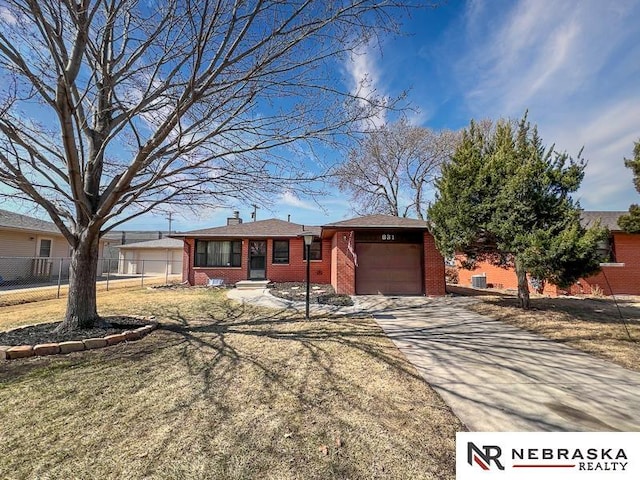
[(111, 108), (393, 167)]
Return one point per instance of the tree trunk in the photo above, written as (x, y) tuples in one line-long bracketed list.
[(523, 285), (82, 311)]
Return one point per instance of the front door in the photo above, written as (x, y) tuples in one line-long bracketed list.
[(257, 260)]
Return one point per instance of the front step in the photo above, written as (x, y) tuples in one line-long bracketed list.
[(252, 284)]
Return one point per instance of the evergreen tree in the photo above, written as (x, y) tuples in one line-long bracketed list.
[(631, 223), (505, 198)]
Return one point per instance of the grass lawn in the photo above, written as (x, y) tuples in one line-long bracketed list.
[(221, 391), (592, 325)]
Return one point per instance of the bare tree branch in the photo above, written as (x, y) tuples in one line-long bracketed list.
[(112, 108), (394, 167)]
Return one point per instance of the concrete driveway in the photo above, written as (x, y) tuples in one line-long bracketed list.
[(497, 377)]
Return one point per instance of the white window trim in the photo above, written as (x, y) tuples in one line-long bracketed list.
[(39, 246)]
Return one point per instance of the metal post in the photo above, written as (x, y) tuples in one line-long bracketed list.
[(308, 279), (142, 277), (166, 272), (108, 272), (60, 276)]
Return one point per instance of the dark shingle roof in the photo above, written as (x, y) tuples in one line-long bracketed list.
[(262, 228), (379, 221), (607, 219), (162, 243), (280, 228), (15, 221), (118, 237)]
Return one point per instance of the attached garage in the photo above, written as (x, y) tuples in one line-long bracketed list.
[(384, 255), (389, 263), (389, 269)]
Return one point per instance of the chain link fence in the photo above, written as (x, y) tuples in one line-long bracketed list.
[(32, 279)]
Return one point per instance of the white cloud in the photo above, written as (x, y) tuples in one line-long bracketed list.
[(538, 51), (418, 117), (290, 199), (574, 66), (364, 73), (7, 17), (607, 134)]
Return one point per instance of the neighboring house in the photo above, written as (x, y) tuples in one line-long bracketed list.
[(162, 256), (114, 238), (38, 244), (366, 255), (620, 275)]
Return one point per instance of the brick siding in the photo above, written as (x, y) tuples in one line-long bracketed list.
[(434, 280), (334, 253), (343, 275), (497, 277), (623, 280), (294, 271)]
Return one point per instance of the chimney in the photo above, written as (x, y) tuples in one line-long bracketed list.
[(235, 220)]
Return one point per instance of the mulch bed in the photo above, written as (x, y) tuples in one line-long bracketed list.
[(319, 293), (44, 333), (182, 286)]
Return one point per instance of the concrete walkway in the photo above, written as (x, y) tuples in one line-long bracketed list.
[(497, 377)]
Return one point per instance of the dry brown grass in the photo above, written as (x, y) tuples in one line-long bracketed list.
[(133, 300), (37, 294), (592, 325), (222, 392)]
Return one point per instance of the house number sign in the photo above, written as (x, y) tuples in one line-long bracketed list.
[(388, 237)]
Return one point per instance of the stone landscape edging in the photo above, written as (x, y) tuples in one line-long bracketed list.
[(8, 352)]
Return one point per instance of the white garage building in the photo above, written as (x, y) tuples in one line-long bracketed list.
[(155, 257)]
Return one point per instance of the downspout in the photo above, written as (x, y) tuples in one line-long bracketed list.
[(189, 272)]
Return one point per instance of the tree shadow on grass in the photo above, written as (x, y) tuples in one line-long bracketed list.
[(590, 310), (257, 388), (212, 331), (475, 292), (294, 359), (607, 310)]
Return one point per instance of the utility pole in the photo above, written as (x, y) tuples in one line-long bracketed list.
[(169, 217), (254, 214)]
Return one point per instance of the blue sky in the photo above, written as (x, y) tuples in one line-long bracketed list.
[(575, 65)]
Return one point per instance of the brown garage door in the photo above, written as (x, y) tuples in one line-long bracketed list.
[(389, 269)]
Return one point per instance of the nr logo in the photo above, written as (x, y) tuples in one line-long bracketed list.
[(484, 456)]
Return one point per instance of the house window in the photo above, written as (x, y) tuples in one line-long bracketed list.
[(316, 250), (281, 251), (606, 251), (218, 254), (45, 248)]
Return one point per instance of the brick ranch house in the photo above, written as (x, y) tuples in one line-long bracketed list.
[(375, 254), (619, 276)]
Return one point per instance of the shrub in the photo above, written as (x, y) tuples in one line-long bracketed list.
[(337, 299), (451, 274)]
